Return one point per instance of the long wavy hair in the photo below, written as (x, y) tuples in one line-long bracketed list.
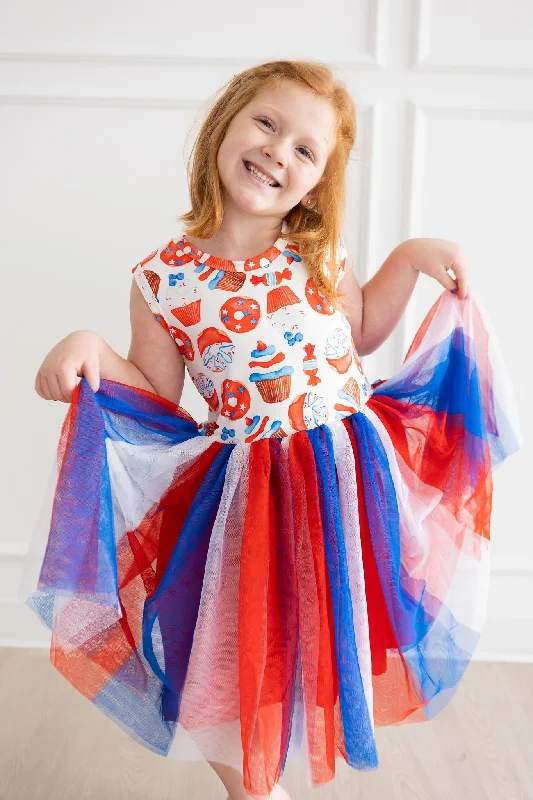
[(315, 230)]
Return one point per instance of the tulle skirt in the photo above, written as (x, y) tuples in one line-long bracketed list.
[(250, 603)]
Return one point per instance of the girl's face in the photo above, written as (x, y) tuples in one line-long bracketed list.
[(288, 134)]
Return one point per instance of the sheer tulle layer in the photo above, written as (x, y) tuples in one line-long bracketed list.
[(249, 603)]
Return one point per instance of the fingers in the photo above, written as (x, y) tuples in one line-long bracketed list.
[(458, 268), (40, 387), (55, 388), (67, 383), (91, 373), (47, 394), (447, 281), (51, 386)]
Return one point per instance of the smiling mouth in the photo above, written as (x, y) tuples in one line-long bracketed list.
[(248, 168)]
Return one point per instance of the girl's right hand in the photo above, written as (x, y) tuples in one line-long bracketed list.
[(77, 355)]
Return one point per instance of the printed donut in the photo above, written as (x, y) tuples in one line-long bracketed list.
[(176, 254), (186, 347), (240, 314), (321, 304), (162, 321), (235, 399)]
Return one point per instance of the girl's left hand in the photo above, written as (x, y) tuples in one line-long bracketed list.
[(434, 257)]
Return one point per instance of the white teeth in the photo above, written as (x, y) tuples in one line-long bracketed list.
[(251, 168)]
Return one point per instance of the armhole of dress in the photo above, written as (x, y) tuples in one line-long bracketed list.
[(156, 306)]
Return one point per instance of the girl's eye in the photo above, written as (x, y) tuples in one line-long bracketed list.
[(307, 151), (267, 121)]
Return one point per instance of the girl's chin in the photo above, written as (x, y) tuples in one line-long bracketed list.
[(251, 201)]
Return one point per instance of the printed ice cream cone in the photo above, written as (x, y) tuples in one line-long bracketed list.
[(307, 411), (338, 351)]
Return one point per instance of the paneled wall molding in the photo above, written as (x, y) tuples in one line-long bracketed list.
[(418, 116), (369, 188), (415, 157), (420, 59), (376, 33), (183, 104), (368, 221), (13, 550), (372, 58), (368, 60)]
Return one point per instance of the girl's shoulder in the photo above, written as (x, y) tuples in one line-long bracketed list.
[(157, 270)]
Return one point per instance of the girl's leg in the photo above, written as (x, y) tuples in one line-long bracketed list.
[(232, 780)]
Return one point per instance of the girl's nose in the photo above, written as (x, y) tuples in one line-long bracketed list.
[(276, 153)]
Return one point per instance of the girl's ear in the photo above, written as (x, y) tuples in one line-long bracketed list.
[(309, 202)]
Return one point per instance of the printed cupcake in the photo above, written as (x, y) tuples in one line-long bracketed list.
[(231, 281), (216, 349), (274, 386), (153, 280), (285, 312), (180, 294), (308, 411), (338, 351), (219, 278)]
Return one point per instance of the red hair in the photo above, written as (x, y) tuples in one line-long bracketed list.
[(315, 231)]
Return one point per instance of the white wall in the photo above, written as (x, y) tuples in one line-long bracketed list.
[(96, 103)]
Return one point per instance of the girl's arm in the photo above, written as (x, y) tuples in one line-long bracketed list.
[(375, 309), (153, 352), (154, 361)]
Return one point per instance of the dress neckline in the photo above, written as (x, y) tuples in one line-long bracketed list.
[(244, 265)]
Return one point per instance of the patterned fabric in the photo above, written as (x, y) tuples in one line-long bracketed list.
[(268, 354)]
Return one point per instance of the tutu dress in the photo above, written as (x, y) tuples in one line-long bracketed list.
[(309, 562)]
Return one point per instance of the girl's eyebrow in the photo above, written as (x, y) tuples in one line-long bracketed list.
[(310, 137)]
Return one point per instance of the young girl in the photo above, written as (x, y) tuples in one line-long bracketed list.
[(312, 560)]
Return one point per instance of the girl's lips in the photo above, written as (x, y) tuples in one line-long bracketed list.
[(256, 180)]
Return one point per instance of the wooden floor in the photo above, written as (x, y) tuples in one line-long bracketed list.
[(56, 745)]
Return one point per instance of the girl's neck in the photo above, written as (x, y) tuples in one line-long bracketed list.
[(238, 244)]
